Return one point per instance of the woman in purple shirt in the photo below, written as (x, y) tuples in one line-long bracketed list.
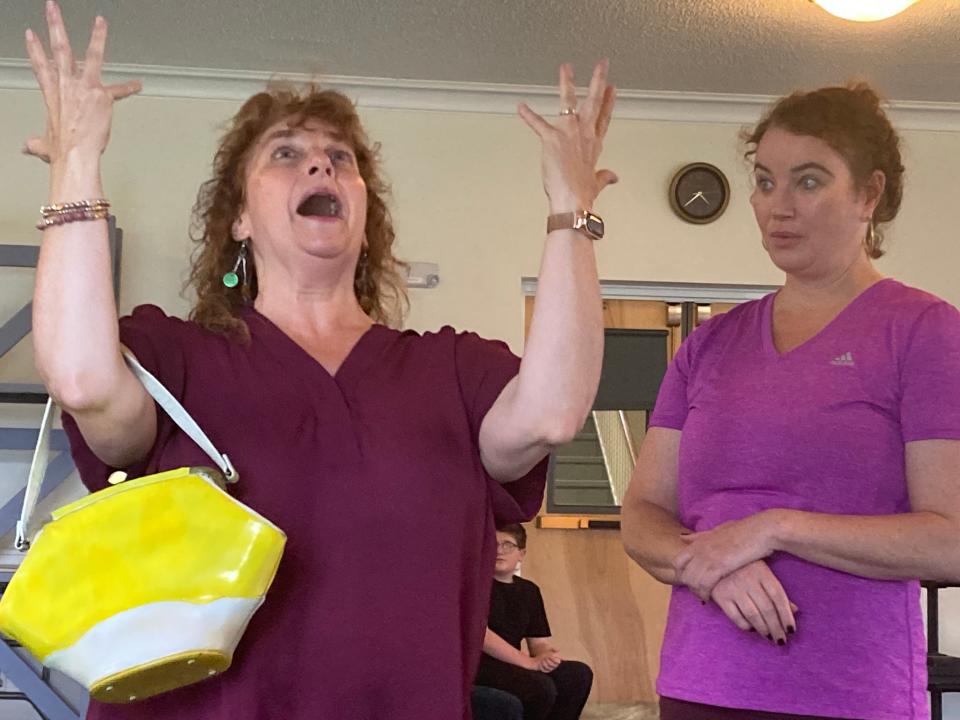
[(800, 472), (386, 456)]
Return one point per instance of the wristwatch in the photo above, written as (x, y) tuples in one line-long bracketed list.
[(585, 221)]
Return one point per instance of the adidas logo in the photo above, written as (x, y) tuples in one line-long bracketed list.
[(846, 359)]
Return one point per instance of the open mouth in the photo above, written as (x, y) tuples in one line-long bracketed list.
[(322, 205)]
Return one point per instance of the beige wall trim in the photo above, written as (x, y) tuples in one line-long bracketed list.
[(669, 292), (399, 94)]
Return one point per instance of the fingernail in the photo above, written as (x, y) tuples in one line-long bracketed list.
[(781, 642), (752, 630), (791, 629)]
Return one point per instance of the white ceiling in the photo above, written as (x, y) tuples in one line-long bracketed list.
[(723, 46)]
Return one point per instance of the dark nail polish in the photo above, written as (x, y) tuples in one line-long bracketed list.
[(752, 630), (791, 629), (781, 641), (769, 637)]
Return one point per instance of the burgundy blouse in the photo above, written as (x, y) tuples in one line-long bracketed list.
[(379, 607)]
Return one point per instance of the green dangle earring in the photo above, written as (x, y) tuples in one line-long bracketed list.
[(232, 279)]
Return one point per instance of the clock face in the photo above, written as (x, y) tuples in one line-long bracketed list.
[(699, 193)]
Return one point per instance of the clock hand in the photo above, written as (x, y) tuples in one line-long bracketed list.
[(699, 194), (704, 198)]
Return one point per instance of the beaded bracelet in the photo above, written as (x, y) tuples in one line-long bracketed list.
[(82, 210)]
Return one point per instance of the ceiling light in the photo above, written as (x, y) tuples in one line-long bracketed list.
[(864, 10)]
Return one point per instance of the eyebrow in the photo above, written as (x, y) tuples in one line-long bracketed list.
[(797, 168), (277, 134)]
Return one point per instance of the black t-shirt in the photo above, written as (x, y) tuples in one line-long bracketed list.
[(517, 612)]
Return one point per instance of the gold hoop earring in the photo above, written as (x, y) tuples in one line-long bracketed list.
[(870, 241)]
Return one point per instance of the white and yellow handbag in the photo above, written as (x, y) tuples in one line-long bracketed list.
[(145, 586)]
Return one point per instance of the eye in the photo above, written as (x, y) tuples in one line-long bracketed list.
[(341, 156), (764, 184), (810, 182), (284, 152)]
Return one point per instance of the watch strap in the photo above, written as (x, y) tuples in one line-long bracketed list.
[(572, 221), (561, 221)]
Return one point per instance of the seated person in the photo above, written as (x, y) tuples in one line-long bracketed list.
[(492, 704), (549, 687)]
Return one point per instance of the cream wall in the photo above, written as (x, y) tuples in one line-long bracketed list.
[(467, 196)]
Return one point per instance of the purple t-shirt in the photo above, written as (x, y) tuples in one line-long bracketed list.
[(379, 606), (821, 428)]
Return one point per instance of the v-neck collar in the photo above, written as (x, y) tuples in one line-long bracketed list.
[(363, 352), (770, 346)]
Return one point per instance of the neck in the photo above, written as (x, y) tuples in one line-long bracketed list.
[(504, 577), (320, 310), (838, 287)]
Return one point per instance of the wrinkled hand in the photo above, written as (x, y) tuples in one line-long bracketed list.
[(547, 662), (714, 554), (572, 144), (753, 598), (79, 105)]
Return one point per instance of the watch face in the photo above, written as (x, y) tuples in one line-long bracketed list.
[(699, 193), (594, 225)]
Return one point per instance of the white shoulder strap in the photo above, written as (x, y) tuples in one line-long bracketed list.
[(163, 398)]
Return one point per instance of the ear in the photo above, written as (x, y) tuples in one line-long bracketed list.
[(523, 554), (240, 230), (872, 192)]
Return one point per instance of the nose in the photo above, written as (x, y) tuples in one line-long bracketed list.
[(782, 205), (326, 169), (321, 163)]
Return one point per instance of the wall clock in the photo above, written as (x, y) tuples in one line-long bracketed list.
[(699, 193)]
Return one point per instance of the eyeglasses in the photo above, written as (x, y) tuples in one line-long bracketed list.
[(507, 546)]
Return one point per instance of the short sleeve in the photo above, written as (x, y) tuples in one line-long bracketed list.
[(670, 410), (930, 376), (484, 367), (154, 339), (538, 625)]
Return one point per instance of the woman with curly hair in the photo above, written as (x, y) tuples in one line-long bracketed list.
[(800, 472), (386, 456)]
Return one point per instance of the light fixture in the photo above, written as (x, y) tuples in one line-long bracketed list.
[(864, 10)]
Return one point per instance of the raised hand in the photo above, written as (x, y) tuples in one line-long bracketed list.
[(753, 598), (572, 144), (79, 105)]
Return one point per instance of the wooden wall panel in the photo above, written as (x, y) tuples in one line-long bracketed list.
[(603, 609)]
